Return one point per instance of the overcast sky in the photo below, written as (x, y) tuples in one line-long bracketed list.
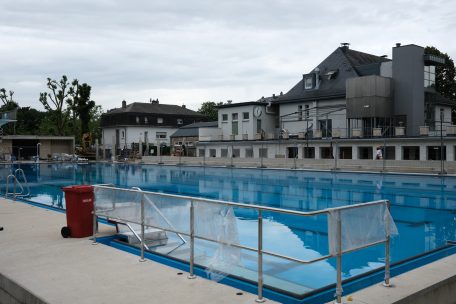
[(188, 52)]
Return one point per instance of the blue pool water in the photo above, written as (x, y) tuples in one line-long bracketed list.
[(423, 208)]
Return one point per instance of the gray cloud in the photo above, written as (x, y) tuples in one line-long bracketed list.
[(194, 51)]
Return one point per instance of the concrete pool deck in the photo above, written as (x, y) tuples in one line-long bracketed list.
[(38, 266)]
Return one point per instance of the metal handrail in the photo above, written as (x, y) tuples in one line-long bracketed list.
[(259, 249), (19, 172), (15, 176)]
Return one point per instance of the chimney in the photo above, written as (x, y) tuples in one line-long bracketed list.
[(273, 96), (229, 101), (124, 104), (150, 100), (344, 46), (398, 44), (184, 107), (281, 93)]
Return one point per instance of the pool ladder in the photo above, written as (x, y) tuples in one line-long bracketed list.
[(23, 192)]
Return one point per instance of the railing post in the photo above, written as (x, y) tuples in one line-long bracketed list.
[(339, 260), (95, 227), (260, 298), (192, 241), (14, 187), (387, 282), (142, 229)]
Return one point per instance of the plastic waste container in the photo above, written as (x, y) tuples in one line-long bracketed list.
[(79, 207)]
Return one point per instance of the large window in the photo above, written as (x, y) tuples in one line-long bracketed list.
[(429, 76), (308, 83), (325, 127)]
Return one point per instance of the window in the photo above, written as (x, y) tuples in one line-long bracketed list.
[(307, 111), (145, 136), (236, 153), (429, 76), (248, 153), (202, 152), (137, 119), (159, 120), (123, 134), (160, 135), (180, 121), (299, 112), (325, 127), (224, 117), (234, 128), (245, 115), (234, 116), (308, 83), (146, 120), (212, 153), (309, 152), (224, 152)]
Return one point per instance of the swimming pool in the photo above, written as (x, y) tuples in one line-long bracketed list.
[(423, 208)]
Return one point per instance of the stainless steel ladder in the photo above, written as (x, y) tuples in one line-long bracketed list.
[(18, 173)]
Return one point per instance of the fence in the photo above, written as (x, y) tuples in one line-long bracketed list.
[(350, 227)]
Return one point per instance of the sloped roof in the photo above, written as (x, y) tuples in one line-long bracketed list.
[(193, 129), (205, 124), (153, 108), (345, 63)]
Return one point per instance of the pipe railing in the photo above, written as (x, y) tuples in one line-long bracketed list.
[(260, 251)]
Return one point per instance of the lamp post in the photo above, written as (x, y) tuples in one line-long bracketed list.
[(38, 145), (442, 165)]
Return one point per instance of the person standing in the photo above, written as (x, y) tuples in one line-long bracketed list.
[(379, 154)]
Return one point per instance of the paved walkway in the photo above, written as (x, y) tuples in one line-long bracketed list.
[(34, 255)]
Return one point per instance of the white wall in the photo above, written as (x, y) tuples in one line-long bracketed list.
[(206, 134), (293, 125), (245, 126), (135, 134)]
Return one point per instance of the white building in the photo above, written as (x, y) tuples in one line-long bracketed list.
[(144, 123)]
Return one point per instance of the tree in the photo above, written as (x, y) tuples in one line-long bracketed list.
[(56, 101), (445, 75), (209, 108), (83, 106), (29, 121), (94, 122), (7, 98)]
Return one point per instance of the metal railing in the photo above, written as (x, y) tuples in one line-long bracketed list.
[(260, 251), (16, 183)]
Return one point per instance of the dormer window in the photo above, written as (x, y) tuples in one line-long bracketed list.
[(159, 120), (145, 120), (180, 121), (137, 119)]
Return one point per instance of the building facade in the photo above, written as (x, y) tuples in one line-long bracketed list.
[(144, 124), (352, 98)]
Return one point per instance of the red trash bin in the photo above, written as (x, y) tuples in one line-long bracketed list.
[(79, 208)]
